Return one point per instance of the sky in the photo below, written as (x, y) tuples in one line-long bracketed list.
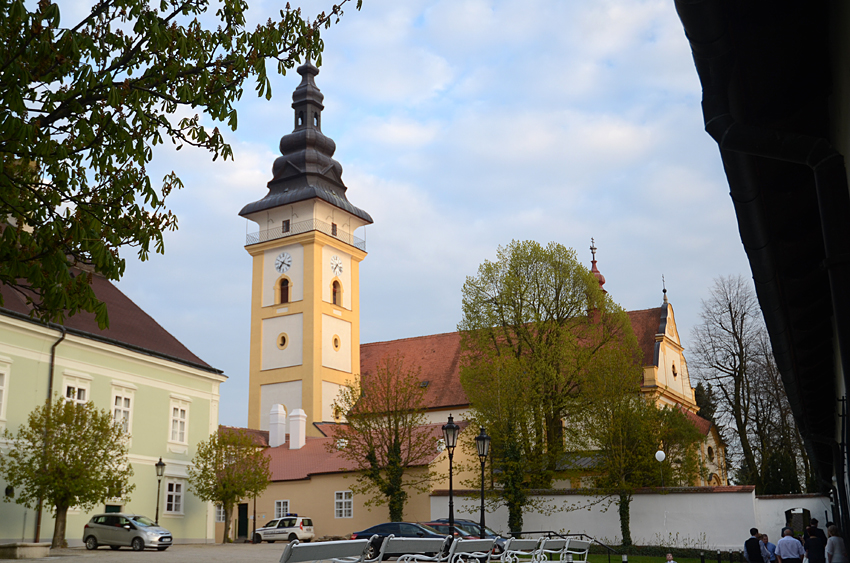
[(462, 125)]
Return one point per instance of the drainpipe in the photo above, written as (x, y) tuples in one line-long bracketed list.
[(49, 398)]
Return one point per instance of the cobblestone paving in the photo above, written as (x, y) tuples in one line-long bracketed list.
[(200, 553)]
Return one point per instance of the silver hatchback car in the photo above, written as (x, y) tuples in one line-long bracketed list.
[(119, 529)]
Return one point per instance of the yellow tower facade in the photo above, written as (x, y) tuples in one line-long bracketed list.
[(305, 305)]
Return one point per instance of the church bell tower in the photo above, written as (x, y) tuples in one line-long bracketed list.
[(305, 301)]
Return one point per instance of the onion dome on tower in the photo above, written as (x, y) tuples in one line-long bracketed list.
[(594, 270), (306, 168)]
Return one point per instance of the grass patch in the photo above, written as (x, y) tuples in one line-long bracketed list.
[(599, 558)]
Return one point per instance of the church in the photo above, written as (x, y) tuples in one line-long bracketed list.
[(305, 339)]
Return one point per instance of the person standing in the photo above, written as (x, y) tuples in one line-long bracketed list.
[(789, 549), (754, 550), (836, 552), (771, 548), (815, 546), (670, 558), (813, 530)]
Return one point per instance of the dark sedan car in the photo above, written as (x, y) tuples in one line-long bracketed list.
[(397, 529)]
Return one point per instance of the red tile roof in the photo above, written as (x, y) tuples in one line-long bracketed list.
[(438, 355), (129, 326), (315, 458), (260, 437), (703, 425)]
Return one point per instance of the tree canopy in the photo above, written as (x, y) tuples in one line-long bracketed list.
[(535, 325), (385, 433), (67, 455), (82, 106), (733, 356), (227, 467)]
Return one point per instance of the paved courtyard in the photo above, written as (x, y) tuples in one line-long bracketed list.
[(201, 553)]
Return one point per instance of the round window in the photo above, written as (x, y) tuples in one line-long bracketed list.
[(282, 341), (336, 342)]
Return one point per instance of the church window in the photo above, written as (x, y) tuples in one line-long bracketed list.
[(710, 453), (300, 118), (675, 373), (282, 341), (316, 119), (284, 290), (333, 229), (337, 294), (285, 227)]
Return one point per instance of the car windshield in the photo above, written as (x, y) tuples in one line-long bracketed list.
[(143, 521), (476, 530), (429, 528)]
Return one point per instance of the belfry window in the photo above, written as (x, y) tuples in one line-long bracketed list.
[(333, 229), (284, 290), (285, 226), (300, 118), (315, 119), (337, 294)]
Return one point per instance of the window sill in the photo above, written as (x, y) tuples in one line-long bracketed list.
[(178, 448), (172, 515)]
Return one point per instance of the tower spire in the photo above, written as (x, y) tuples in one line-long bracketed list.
[(664, 289), (593, 269)]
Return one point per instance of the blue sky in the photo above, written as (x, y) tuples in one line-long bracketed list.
[(461, 125)]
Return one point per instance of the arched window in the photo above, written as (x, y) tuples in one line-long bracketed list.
[(315, 119), (300, 118), (337, 294), (284, 290)]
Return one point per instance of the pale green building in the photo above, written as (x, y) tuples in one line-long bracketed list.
[(165, 395)]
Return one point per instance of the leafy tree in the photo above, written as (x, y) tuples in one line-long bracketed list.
[(732, 354), (385, 433), (535, 324), (67, 455), (84, 103), (621, 431), (226, 468)]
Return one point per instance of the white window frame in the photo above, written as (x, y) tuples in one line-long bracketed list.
[(219, 513), (170, 489), (5, 374), (125, 392), (343, 502), (80, 382), (281, 508), (176, 445)]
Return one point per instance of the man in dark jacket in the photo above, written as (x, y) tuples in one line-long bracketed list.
[(754, 550)]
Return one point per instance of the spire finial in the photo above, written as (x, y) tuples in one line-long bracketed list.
[(594, 270), (664, 288)]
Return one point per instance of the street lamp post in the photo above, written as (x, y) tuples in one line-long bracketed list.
[(482, 442), (160, 471), (661, 456), (450, 432)]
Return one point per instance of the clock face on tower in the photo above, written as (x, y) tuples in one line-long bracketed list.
[(283, 262), (336, 265)]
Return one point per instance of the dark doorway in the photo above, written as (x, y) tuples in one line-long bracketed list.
[(112, 508), (242, 526)]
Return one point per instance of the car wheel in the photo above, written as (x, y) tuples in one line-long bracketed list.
[(292, 537), (258, 538), (114, 547), (138, 544), (91, 542), (162, 548), (373, 552)]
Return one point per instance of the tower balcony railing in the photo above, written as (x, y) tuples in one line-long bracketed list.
[(304, 227)]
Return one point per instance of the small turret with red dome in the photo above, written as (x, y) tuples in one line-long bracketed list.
[(594, 270)]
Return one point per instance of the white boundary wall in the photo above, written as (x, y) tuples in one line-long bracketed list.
[(702, 517)]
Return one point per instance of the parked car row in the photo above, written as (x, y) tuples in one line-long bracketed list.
[(464, 529)]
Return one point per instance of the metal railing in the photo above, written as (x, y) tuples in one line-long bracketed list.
[(304, 227)]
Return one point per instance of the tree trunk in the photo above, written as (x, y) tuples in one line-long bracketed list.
[(228, 514), (59, 528), (623, 507)]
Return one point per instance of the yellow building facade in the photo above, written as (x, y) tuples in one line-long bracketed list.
[(305, 308)]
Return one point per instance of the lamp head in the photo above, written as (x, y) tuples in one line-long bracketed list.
[(160, 468), (660, 455), (482, 442), (450, 432)]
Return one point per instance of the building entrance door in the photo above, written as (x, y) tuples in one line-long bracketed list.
[(242, 525)]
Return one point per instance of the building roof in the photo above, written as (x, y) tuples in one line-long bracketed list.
[(129, 326), (260, 437), (702, 424), (320, 456), (439, 355)]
